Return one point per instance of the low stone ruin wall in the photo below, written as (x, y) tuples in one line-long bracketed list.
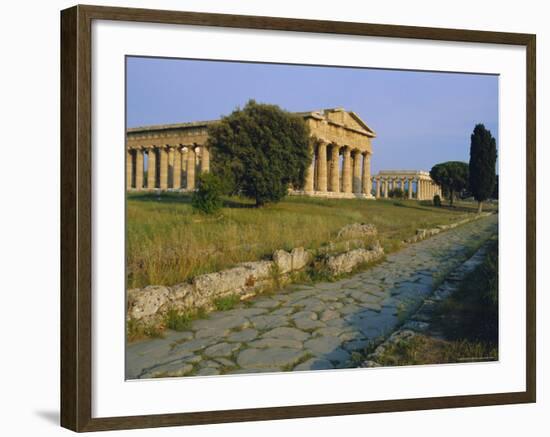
[(422, 234), (354, 245)]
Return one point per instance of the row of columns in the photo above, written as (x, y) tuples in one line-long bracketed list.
[(323, 174), (173, 166), (425, 189)]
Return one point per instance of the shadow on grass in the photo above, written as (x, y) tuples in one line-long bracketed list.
[(185, 198)]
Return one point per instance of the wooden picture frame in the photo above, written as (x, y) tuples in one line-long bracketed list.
[(76, 217)]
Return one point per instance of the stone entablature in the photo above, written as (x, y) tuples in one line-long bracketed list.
[(177, 152), (416, 183)]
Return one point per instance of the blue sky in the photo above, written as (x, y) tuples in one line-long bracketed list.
[(421, 118)]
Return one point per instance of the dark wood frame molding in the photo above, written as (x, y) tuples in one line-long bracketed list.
[(76, 225)]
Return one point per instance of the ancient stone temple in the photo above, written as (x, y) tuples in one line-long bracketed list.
[(168, 157), (416, 184)]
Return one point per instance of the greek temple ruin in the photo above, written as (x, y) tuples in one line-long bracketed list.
[(416, 184), (170, 156)]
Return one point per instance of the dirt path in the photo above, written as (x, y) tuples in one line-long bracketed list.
[(318, 326)]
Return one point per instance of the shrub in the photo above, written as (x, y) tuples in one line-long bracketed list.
[(207, 198), (437, 200), (397, 193)]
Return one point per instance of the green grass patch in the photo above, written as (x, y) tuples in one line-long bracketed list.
[(168, 244), (227, 302), (422, 349), (471, 312), (181, 320)]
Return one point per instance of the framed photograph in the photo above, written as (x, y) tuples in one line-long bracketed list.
[(268, 218)]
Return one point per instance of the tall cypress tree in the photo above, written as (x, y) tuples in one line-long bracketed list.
[(483, 158)]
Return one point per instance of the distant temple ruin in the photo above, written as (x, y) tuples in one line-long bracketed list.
[(168, 157)]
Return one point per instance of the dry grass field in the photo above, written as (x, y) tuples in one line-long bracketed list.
[(167, 243)]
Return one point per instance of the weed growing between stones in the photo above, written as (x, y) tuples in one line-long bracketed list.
[(136, 330), (181, 320), (227, 302)]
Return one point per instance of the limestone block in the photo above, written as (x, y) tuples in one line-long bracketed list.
[(346, 262), (283, 261), (145, 303), (357, 230), (300, 258), (236, 280)]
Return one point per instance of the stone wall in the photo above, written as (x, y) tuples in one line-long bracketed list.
[(422, 234), (354, 245)]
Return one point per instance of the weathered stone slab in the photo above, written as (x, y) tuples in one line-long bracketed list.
[(227, 322), (275, 342), (283, 260), (315, 364), (243, 336), (174, 369), (300, 258), (287, 333), (322, 345), (268, 322), (346, 262), (357, 230), (221, 349), (269, 358)]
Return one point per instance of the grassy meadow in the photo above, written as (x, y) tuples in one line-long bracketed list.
[(167, 243)]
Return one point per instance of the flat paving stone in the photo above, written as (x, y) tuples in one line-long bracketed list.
[(315, 364), (322, 345), (226, 322), (276, 342), (174, 369), (243, 336), (287, 333), (269, 322), (277, 357), (308, 324), (221, 350)]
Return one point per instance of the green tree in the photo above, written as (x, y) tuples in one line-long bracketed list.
[(483, 158), (452, 176), (260, 151)]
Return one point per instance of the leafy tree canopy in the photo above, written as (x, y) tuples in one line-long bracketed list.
[(452, 176), (483, 158), (260, 151)]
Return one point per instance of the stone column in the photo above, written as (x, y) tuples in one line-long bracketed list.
[(205, 159), (367, 186), (163, 182), (170, 166), (357, 172), (184, 153), (386, 187), (151, 168), (335, 169), (129, 169), (322, 166), (308, 182), (191, 163), (139, 168), (176, 166), (410, 188), (346, 171), (377, 188)]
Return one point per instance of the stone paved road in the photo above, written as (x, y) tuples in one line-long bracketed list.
[(309, 327)]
